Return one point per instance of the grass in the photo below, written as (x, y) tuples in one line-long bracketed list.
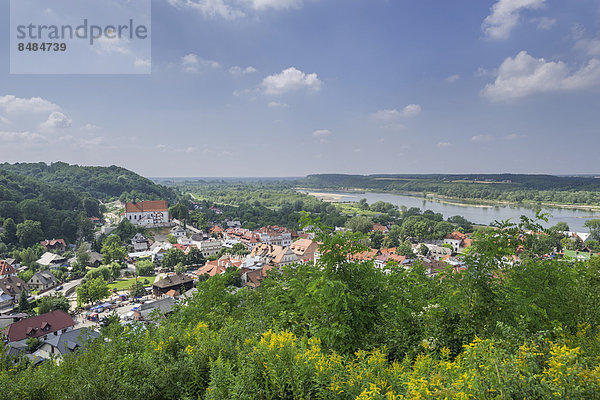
[(124, 284), (353, 208)]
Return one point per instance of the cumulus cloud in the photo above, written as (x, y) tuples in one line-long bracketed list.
[(482, 138), (239, 71), (525, 75), (21, 137), (443, 144), (514, 136), (505, 16), (56, 120), (12, 104), (193, 63), (289, 80)]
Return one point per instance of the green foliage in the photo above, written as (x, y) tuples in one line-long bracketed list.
[(92, 290), (33, 344), (171, 239), (377, 238), (53, 302), (103, 272), (144, 267), (29, 233), (173, 257), (594, 226), (113, 250), (360, 224), (137, 289), (179, 211)]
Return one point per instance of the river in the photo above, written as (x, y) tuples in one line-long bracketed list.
[(476, 213)]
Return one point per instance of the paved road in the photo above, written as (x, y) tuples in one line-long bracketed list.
[(66, 287)]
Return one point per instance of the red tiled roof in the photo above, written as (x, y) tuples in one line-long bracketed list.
[(34, 327), (456, 235), (6, 268), (147, 206), (53, 242)]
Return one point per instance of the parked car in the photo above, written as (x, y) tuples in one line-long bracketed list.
[(59, 287)]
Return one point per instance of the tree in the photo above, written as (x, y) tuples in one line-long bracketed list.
[(56, 301), (112, 250), (144, 267), (115, 270), (103, 272), (24, 301), (180, 269), (171, 239), (92, 290), (194, 257), (393, 237), (173, 257), (360, 224), (137, 289), (594, 226), (29, 233), (377, 239), (561, 227), (443, 229), (33, 344), (462, 222), (423, 250), (9, 236), (83, 257), (405, 249), (179, 211)]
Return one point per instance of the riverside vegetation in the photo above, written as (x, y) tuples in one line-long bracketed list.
[(346, 330)]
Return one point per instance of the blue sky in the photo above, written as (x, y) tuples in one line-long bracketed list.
[(292, 87)]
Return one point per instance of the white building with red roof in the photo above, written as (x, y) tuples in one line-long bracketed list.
[(148, 214)]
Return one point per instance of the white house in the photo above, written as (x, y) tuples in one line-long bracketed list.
[(148, 213)]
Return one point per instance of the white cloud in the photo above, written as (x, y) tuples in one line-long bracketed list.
[(411, 110), (505, 16), (104, 45), (524, 76), (90, 127), (289, 80), (453, 78), (239, 71), (13, 104), (275, 104), (482, 138), (544, 23), (161, 146), (590, 46), (142, 63), (233, 9), (321, 133), (443, 144), (56, 120), (514, 136), (21, 137), (194, 64), (276, 4), (391, 115), (210, 8), (4, 120)]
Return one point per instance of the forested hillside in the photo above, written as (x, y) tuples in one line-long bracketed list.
[(99, 182), (504, 187), (32, 210)]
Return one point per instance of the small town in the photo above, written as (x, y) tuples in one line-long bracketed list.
[(299, 200), (141, 280)]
